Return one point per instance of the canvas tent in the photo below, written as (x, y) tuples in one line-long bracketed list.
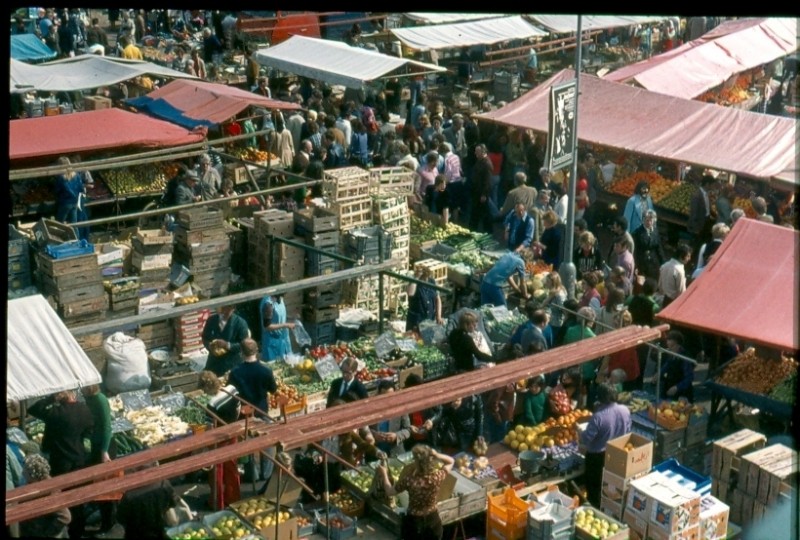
[(89, 131), (337, 63), (27, 47), (700, 65), (447, 36), (42, 355), (83, 73), (449, 18), (632, 119), (198, 103), (759, 300), (562, 24)]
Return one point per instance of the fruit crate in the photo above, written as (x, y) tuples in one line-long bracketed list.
[(187, 237), (72, 265), (346, 184), (439, 252), (152, 241), (181, 531), (348, 530), (84, 306), (622, 530), (19, 246), (206, 217), (320, 297), (316, 220), (355, 213), (320, 315), (122, 288), (77, 294), (438, 270), (386, 210), (508, 513), (142, 262), (210, 521), (391, 180)]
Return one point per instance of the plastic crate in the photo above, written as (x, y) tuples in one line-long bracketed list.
[(336, 533), (507, 514), (18, 247), (549, 521), (210, 519), (368, 239), (179, 530), (47, 232), (321, 333), (318, 264), (685, 476), (66, 250)]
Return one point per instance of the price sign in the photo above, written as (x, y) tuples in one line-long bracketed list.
[(138, 399), (171, 402), (120, 425), (500, 313), (406, 345), (327, 368), (384, 344)]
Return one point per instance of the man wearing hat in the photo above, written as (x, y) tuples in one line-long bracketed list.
[(186, 191), (210, 180)]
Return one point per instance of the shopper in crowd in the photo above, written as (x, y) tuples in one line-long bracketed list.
[(95, 35), (533, 339), (254, 381), (607, 316), (521, 194), (129, 50), (566, 394), (609, 421), (186, 190), (619, 279), (103, 448), (390, 435), (67, 422), (561, 201), (534, 403), (439, 198), (718, 233), (481, 216), (636, 206), (510, 268), (422, 518), (583, 329), (421, 423), (210, 180), (332, 152), (222, 337), (587, 257), (468, 346), (424, 303), (459, 425), (145, 512), (211, 46), (700, 219), (724, 203), (590, 297), (52, 525), (760, 208), (624, 258), (553, 302), (672, 275), (275, 340), (649, 253), (625, 361), (619, 228), (347, 383), (427, 173), (519, 228)]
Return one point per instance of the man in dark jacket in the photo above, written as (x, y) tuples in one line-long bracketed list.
[(481, 217), (222, 336)]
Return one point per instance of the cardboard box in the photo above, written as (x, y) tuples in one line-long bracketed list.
[(615, 487), (691, 533), (640, 492), (637, 526), (628, 464), (610, 507), (674, 509), (94, 103), (714, 516), (733, 445)]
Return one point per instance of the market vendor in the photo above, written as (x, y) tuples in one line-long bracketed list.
[(186, 191), (347, 383), (422, 518), (677, 374), (222, 336), (275, 340), (424, 303), (390, 435), (210, 180), (519, 228), (551, 243), (609, 421), (504, 271), (70, 189), (468, 346)]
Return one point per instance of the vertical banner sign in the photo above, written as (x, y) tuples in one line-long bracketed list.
[(560, 142)]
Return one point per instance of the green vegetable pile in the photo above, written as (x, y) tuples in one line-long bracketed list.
[(191, 414), (126, 444), (786, 390), (474, 259)]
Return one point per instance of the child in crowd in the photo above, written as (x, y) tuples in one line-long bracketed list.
[(533, 406)]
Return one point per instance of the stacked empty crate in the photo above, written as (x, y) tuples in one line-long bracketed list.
[(19, 260), (348, 191), (189, 331), (438, 270), (270, 261), (152, 257), (70, 274), (320, 229), (202, 245), (368, 245)]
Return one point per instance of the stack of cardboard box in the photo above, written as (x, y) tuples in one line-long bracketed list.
[(622, 466)]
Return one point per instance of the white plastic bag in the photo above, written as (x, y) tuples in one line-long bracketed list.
[(127, 368), (301, 335)]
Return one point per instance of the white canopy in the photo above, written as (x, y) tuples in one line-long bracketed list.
[(447, 18), (335, 62), (445, 36), (82, 73), (42, 356), (559, 24)]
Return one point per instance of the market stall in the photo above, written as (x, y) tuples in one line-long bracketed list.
[(42, 355), (630, 121), (761, 310), (720, 66), (39, 141)]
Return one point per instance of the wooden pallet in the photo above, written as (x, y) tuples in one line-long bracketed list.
[(189, 237), (71, 265), (196, 219), (83, 306)]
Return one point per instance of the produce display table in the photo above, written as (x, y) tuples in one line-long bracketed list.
[(500, 457)]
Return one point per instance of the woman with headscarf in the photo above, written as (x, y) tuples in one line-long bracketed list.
[(280, 141)]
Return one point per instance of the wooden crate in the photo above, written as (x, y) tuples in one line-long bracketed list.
[(84, 306), (53, 284), (58, 267), (95, 103), (346, 184), (391, 180), (77, 294), (151, 239), (141, 262), (206, 217), (354, 213), (319, 315), (177, 379), (316, 219), (90, 341), (438, 269), (187, 237)]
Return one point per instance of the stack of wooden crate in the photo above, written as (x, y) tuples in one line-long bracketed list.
[(392, 214), (348, 191), (19, 261), (92, 345), (160, 334), (261, 263), (189, 330), (319, 227), (363, 293), (726, 465), (388, 181), (123, 295), (152, 257), (202, 245), (69, 273)]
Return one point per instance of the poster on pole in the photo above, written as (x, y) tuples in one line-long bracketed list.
[(560, 143)]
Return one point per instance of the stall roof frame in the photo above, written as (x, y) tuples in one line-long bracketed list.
[(468, 34)]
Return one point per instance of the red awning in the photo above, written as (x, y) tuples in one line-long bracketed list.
[(91, 131), (216, 103), (636, 120), (733, 47), (749, 290)]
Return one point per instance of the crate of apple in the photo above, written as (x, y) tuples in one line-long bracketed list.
[(226, 525), (591, 524)]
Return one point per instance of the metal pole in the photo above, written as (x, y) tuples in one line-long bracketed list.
[(327, 496), (380, 284), (567, 268)]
